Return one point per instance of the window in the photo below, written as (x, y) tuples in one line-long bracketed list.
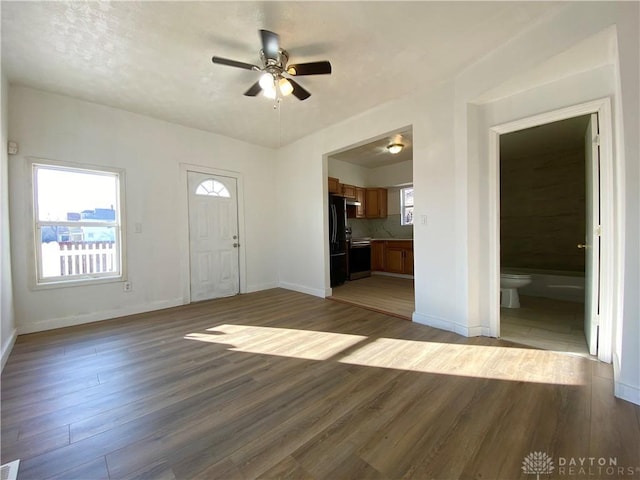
[(406, 206), (77, 223), (212, 188)]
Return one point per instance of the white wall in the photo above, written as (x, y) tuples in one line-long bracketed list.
[(348, 173), (383, 176), (450, 169), (391, 175), (151, 151), (7, 320), (576, 25)]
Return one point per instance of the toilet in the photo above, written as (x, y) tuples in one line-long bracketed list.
[(510, 282)]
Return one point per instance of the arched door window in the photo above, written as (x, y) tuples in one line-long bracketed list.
[(212, 188)]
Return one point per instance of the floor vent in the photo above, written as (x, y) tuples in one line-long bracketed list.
[(9, 471)]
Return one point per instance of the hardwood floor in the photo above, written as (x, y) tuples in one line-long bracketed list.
[(278, 384), (381, 293)]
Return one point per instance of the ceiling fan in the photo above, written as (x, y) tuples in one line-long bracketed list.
[(275, 80)]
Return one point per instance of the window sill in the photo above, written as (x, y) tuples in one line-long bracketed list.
[(80, 282)]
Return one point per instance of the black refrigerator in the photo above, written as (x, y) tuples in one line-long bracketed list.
[(338, 239)]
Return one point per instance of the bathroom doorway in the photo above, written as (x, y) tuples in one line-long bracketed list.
[(544, 208), (544, 205)]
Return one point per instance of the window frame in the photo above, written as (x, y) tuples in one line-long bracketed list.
[(120, 275), (403, 206), (223, 193)]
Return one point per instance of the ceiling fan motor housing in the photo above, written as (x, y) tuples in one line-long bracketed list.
[(275, 66)]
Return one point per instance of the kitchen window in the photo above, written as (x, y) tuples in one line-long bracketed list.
[(406, 206), (77, 224)]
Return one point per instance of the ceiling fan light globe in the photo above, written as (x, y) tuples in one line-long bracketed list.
[(285, 87), (267, 82), (270, 93)]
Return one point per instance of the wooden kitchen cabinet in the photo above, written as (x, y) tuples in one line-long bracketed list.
[(361, 197), (334, 185), (399, 257), (349, 191), (377, 255), (375, 203), (393, 256), (408, 260), (394, 259)]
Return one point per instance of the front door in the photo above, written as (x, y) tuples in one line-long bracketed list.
[(213, 236)]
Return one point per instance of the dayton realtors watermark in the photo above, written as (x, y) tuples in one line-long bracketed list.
[(540, 463), (594, 467)]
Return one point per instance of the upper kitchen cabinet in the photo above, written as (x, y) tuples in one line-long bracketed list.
[(361, 198), (376, 203), (334, 185), (349, 191)]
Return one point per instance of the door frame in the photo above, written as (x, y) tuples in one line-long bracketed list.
[(183, 227), (610, 249)]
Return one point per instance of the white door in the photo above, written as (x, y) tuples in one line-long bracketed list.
[(213, 236), (591, 245)]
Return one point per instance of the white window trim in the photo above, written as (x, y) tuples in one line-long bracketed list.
[(34, 251), (402, 206), (222, 193)]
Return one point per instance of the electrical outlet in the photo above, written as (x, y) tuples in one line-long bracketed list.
[(127, 286)]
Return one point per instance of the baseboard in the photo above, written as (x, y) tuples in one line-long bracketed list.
[(622, 390), (7, 347), (302, 289), (261, 286), (626, 392), (435, 322), (449, 326), (97, 316), (477, 331)]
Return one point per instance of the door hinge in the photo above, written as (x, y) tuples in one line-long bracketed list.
[(596, 140), (598, 231)]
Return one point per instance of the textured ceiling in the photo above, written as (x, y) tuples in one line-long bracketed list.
[(154, 58), (375, 154)]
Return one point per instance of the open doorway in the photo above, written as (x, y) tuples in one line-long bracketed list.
[(371, 193), (544, 205), (592, 122)]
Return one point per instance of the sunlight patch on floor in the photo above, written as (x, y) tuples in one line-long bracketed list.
[(480, 361), (286, 342)]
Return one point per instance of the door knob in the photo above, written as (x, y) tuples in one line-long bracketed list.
[(235, 236), (582, 245), (236, 245)]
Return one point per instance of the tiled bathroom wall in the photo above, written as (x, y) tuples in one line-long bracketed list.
[(542, 211)]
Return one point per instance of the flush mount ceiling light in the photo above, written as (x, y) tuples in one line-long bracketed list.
[(395, 148)]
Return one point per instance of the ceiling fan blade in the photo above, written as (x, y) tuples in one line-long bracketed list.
[(234, 63), (270, 44), (254, 90), (298, 91), (311, 68)]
